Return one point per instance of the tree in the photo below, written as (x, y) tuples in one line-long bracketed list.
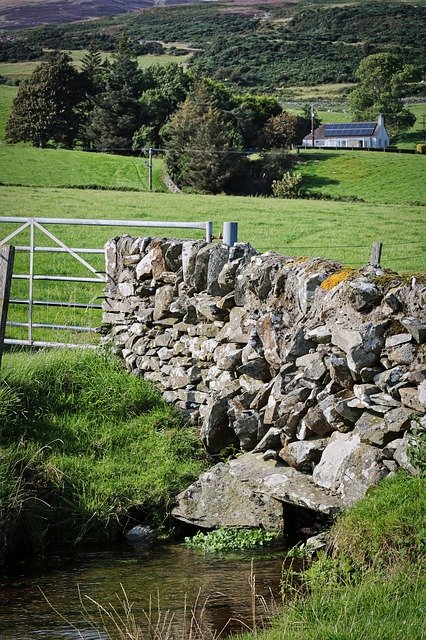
[(164, 89), (116, 114), (251, 113), (201, 142), (382, 80), (45, 107), (281, 131)]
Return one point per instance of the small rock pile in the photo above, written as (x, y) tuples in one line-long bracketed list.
[(313, 371)]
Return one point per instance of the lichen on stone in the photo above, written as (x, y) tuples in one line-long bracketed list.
[(336, 278)]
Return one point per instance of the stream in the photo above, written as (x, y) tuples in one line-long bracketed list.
[(170, 573)]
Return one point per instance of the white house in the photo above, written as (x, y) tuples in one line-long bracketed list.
[(363, 135)]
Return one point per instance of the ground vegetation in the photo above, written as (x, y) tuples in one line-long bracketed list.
[(86, 451)]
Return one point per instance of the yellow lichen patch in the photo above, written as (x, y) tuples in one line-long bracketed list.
[(335, 278)]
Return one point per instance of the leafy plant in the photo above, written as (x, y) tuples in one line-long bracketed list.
[(289, 186), (230, 539)]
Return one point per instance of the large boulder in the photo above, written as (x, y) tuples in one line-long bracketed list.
[(349, 467)]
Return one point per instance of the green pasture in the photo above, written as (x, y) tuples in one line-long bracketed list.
[(343, 231), (29, 166), (373, 176)]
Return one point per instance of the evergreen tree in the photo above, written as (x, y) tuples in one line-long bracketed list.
[(116, 114), (201, 144), (382, 80), (45, 107), (164, 89)]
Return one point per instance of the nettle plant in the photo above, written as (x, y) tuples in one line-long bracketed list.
[(231, 539)]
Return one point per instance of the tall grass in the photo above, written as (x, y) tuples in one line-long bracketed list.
[(373, 585), (85, 448)]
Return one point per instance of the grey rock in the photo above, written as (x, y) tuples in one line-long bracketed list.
[(257, 368), (162, 301), (271, 440), (227, 275), (363, 295), (246, 427), (178, 378), (397, 339), (219, 256), (228, 356), (401, 449), (190, 250), (410, 397), (402, 354), (303, 455), (416, 328), (173, 255), (198, 279), (216, 432), (321, 334), (349, 467), (299, 345), (316, 421), (340, 372), (140, 534), (307, 287), (222, 498)]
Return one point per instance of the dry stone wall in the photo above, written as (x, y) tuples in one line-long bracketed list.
[(315, 374)]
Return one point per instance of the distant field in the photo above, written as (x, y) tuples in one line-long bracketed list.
[(22, 70), (332, 92)]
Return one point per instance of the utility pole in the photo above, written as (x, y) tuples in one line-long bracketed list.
[(312, 124), (150, 169)]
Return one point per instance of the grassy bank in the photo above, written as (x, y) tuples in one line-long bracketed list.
[(27, 166), (373, 586), (85, 449), (372, 176)]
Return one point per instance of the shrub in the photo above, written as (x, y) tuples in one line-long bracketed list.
[(421, 148), (230, 539), (289, 186)]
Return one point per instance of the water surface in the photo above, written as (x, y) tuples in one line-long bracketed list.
[(174, 572)]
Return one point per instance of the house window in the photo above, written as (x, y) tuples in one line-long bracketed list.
[(343, 143)]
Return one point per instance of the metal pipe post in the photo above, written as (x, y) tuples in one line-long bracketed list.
[(230, 233)]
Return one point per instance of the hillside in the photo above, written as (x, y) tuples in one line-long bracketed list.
[(267, 47)]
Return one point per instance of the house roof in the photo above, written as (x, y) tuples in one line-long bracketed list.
[(345, 130)]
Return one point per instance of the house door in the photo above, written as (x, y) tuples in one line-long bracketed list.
[(360, 143)]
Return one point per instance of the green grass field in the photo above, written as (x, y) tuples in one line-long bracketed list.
[(28, 166), (22, 70), (372, 176)]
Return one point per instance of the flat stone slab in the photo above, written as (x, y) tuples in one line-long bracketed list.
[(249, 492), (284, 484)]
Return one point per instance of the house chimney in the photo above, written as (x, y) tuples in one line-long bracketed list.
[(381, 120)]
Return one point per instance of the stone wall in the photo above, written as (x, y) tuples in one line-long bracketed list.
[(314, 373)]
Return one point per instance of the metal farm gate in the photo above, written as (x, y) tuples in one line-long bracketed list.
[(37, 228)]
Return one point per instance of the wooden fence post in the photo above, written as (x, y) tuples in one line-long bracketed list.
[(376, 254), (7, 254)]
